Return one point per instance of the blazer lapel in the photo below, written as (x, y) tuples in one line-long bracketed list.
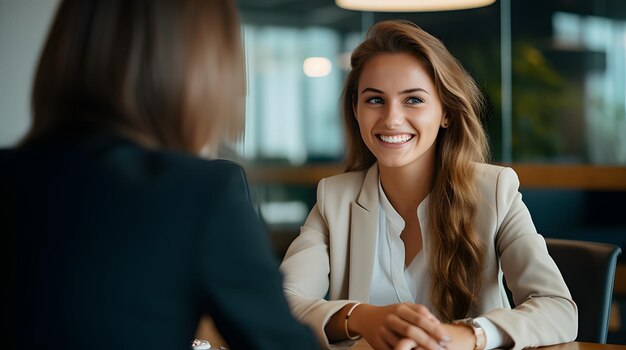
[(363, 232)]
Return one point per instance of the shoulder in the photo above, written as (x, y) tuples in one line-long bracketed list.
[(498, 188), (335, 193), (350, 179), (492, 171), (160, 172), (219, 176), (5, 159), (348, 184), (195, 167), (5, 154), (491, 177)]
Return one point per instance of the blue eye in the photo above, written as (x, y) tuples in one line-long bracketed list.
[(414, 100), (375, 100)]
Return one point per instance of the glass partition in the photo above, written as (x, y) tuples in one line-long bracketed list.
[(567, 76)]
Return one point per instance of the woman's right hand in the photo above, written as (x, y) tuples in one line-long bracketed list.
[(385, 326)]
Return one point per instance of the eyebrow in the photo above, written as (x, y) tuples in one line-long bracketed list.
[(407, 91)]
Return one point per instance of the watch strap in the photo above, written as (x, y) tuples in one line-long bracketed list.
[(479, 332)]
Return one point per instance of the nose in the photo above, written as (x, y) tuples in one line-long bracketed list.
[(394, 116)]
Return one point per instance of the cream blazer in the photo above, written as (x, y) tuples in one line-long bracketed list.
[(330, 263)]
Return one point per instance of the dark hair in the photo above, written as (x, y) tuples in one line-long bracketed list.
[(168, 74), (458, 253)]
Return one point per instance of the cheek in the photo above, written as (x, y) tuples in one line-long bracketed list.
[(364, 131), (362, 122), (427, 121)]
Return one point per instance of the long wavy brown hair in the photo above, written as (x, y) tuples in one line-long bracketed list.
[(457, 252)]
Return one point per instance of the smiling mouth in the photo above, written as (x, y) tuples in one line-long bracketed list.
[(395, 139)]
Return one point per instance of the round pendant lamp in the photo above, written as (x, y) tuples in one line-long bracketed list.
[(411, 5)]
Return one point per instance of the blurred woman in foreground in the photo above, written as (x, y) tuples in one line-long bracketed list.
[(115, 234)]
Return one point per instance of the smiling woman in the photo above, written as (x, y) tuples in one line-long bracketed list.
[(411, 243), (398, 111)]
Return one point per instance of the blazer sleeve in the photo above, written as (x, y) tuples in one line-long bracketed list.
[(545, 313), (306, 267), (239, 275)]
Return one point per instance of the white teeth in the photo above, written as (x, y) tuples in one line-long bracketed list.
[(395, 138)]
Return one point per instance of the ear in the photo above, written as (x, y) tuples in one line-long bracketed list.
[(445, 122)]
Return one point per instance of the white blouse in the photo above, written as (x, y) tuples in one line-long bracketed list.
[(392, 283)]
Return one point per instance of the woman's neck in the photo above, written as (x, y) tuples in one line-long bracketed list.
[(406, 187)]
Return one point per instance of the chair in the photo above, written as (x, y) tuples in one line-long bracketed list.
[(588, 269)]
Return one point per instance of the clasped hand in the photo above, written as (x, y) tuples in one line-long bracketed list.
[(399, 326)]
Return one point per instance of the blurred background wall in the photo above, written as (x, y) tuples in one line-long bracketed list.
[(23, 26)]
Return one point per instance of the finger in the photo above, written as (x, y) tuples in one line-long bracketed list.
[(389, 337), (424, 311), (405, 344), (381, 346), (421, 317), (409, 330)]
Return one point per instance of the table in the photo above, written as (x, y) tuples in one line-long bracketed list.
[(207, 330), (363, 345)]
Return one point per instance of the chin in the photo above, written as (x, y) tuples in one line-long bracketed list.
[(393, 164)]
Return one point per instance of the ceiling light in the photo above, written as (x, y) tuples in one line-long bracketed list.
[(411, 5), (316, 67)]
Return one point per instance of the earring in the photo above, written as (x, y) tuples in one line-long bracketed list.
[(445, 124)]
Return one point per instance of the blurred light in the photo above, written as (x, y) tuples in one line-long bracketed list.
[(290, 212), (316, 67), (411, 5)]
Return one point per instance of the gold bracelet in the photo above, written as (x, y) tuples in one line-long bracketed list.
[(346, 322)]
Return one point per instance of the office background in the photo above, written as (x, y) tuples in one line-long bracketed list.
[(553, 72)]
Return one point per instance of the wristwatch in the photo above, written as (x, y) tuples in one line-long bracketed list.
[(479, 332)]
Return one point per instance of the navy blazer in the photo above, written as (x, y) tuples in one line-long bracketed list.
[(108, 245)]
